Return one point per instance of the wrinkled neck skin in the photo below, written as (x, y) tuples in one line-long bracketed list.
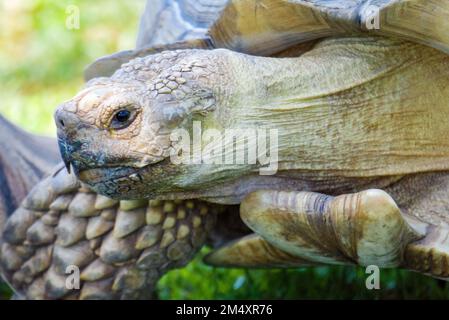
[(349, 114)]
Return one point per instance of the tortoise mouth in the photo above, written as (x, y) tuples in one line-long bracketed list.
[(124, 181), (101, 175), (115, 172), (115, 182)]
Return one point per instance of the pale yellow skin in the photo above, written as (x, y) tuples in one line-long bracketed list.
[(348, 111)]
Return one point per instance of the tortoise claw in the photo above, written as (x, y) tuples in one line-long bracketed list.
[(430, 255)]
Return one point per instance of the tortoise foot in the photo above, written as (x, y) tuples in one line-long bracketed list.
[(306, 228)]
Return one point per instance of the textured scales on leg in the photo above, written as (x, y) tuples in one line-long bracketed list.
[(120, 247)]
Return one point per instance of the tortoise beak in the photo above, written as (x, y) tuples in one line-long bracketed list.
[(65, 154), (67, 124), (67, 150)]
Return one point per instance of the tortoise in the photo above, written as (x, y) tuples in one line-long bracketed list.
[(355, 114)]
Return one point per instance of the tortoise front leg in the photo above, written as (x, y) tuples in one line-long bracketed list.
[(306, 228)]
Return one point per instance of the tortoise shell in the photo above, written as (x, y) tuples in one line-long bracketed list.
[(266, 27)]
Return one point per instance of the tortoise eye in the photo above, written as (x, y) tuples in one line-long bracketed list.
[(122, 116), (122, 119)]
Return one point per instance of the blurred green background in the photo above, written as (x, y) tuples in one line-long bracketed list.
[(41, 65)]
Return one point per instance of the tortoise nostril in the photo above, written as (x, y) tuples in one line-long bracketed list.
[(66, 121), (60, 119)]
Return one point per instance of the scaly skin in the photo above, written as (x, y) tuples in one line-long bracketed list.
[(121, 248)]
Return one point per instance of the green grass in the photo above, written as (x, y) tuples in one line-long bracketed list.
[(42, 61), (198, 281), (41, 65)]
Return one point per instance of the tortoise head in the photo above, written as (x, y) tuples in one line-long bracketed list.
[(119, 126)]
